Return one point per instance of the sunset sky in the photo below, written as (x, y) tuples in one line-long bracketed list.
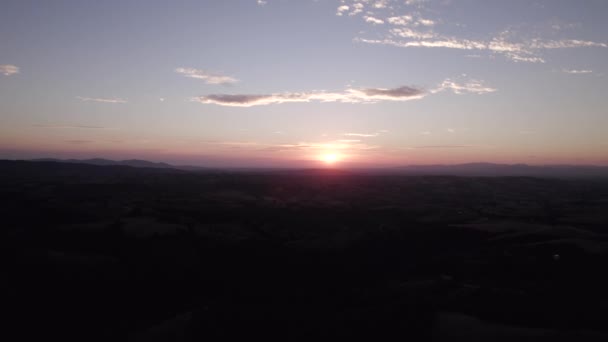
[(294, 83)]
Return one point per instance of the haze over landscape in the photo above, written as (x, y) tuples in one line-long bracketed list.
[(281, 83)]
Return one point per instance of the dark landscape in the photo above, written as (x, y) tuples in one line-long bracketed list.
[(107, 253), (304, 170)]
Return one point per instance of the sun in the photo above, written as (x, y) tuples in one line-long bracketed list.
[(330, 158)]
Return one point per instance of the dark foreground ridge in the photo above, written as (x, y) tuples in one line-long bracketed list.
[(114, 253)]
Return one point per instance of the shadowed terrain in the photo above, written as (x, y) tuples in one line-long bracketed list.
[(100, 253)]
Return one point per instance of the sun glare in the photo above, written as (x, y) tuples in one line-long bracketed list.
[(330, 158)]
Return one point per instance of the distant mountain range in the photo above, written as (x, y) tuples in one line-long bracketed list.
[(470, 169), (105, 162), (489, 169)]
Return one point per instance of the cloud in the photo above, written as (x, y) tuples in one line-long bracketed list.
[(79, 142), (450, 130), (577, 71), (395, 93), (357, 8), (426, 22), (262, 2), (336, 145), (363, 135), (400, 20), (565, 44), (410, 20), (405, 32), (413, 29), (380, 4), (472, 86), (442, 146), (68, 126), (209, 78), (350, 95), (415, 2), (374, 21), (425, 133), (340, 11), (517, 52), (343, 145), (102, 100), (8, 69), (366, 95)]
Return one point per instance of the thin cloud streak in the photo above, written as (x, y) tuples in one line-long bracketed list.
[(511, 51), (101, 100), (366, 95), (441, 146), (208, 77), (363, 135), (473, 87), (343, 145), (79, 142), (575, 71), (8, 69), (69, 126)]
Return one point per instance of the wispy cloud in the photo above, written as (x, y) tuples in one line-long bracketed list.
[(564, 44), (402, 20), (410, 20), (342, 145), (350, 95), (450, 130), (472, 87), (442, 146), (336, 145), (208, 77), (577, 71), (366, 95), (8, 69), (412, 28), (363, 135), (262, 2), (69, 126), (514, 52), (380, 4), (79, 142), (101, 100)]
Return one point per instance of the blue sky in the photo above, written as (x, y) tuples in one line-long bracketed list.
[(299, 83)]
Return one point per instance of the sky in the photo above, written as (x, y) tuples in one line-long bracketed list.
[(299, 83)]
